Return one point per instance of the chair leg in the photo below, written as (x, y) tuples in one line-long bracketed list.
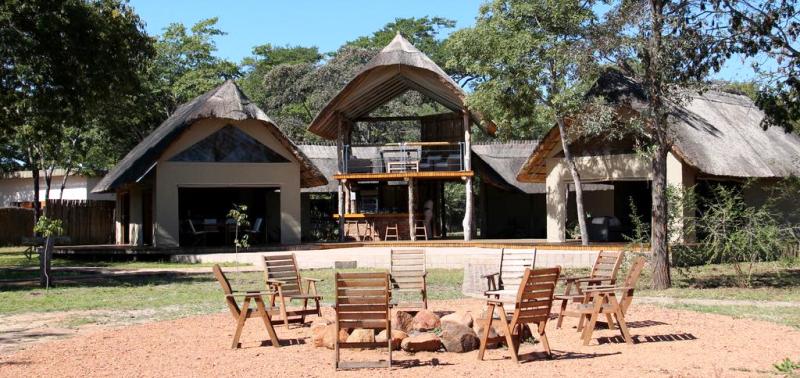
[(561, 313), (509, 336), (240, 323), (485, 336), (283, 312), (610, 321), (305, 306), (589, 329), (268, 322), (543, 336), (623, 328)]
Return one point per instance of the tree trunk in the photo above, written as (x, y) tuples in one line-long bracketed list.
[(576, 178), (63, 184), (45, 257), (37, 209), (659, 132)]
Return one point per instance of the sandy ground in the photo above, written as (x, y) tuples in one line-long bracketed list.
[(670, 343)]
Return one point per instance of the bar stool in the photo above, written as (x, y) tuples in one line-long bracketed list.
[(391, 232), (369, 231), (355, 223), (420, 226)]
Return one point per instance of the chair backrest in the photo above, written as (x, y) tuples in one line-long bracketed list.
[(283, 268), (513, 263), (257, 224), (226, 288), (630, 282), (407, 268), (362, 300), (607, 265), (535, 296)]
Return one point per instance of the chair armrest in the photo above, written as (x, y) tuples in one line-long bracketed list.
[(248, 294), (312, 279), (491, 275), (572, 279), (593, 279), (275, 282), (606, 290)]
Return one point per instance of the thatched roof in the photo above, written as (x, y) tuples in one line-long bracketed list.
[(397, 68), (224, 102), (717, 133)]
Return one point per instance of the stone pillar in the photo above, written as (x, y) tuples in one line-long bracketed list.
[(556, 208), (680, 177)]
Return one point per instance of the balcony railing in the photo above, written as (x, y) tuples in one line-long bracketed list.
[(404, 157)]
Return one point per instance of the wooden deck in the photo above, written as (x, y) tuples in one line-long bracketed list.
[(111, 249)]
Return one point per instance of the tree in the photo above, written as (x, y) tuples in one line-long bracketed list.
[(674, 46), (422, 32), (265, 58), (61, 62), (771, 28), (529, 57)]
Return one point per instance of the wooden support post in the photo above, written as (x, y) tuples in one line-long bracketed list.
[(412, 232), (340, 169), (468, 213)]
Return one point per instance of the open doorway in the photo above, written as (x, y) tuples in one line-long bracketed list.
[(203, 215)]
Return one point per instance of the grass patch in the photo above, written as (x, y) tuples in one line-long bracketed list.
[(782, 315)]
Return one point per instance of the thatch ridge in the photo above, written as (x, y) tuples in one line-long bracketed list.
[(226, 101)]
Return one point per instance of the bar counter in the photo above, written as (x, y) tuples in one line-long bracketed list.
[(379, 222)]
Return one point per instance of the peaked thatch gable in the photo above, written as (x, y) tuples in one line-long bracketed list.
[(399, 67), (715, 132), (224, 102)]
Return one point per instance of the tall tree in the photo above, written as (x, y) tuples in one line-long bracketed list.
[(768, 29), (674, 46), (422, 32), (265, 58), (62, 61), (530, 56)]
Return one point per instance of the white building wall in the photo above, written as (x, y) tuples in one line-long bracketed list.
[(21, 189)]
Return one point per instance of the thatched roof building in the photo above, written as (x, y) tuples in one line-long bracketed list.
[(397, 68), (226, 102), (717, 133)]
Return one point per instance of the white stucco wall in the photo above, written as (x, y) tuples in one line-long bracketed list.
[(170, 176), (77, 188)]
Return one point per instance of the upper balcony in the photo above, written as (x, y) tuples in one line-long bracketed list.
[(404, 160)]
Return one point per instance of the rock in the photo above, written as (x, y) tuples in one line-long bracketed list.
[(318, 330), (330, 336), (496, 334), (402, 321), (426, 320), (397, 338), (361, 335), (459, 338), (328, 313), (426, 342), (463, 318)]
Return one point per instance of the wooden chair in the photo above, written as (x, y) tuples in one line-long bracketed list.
[(255, 231), (604, 272), (245, 312), (420, 231), (506, 280), (362, 301), (408, 274), (602, 300), (286, 284), (532, 306), (198, 236)]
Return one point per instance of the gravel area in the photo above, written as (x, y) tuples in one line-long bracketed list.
[(670, 343)]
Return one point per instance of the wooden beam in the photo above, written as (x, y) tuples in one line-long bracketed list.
[(411, 200), (448, 175), (387, 119)]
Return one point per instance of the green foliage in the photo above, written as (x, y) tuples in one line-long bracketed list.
[(788, 367), (737, 233), (422, 32), (239, 215), (529, 62), (48, 227)]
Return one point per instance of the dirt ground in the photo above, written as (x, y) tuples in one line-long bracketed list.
[(670, 343)]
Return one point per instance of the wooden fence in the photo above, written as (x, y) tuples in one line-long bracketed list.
[(85, 221), (15, 223)]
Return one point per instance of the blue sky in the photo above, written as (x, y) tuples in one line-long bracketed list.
[(326, 24)]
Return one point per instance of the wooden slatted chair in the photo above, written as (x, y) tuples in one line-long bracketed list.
[(408, 274), (362, 301), (604, 272), (284, 280), (602, 300), (506, 280), (245, 312), (532, 306)]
